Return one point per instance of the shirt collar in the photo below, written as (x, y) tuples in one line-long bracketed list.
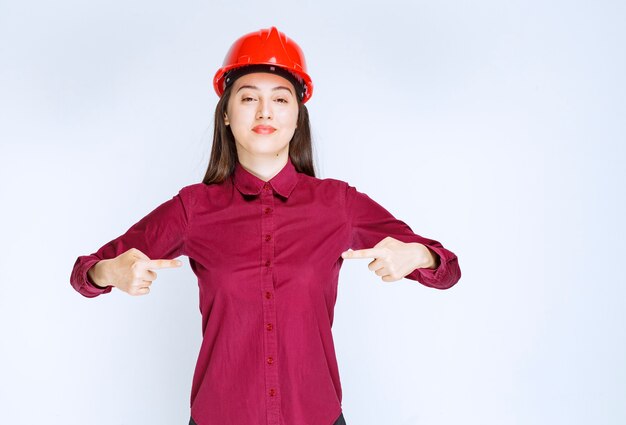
[(249, 184)]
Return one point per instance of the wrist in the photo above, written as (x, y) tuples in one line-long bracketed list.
[(435, 259), (97, 274)]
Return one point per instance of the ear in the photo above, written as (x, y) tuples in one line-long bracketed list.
[(226, 119)]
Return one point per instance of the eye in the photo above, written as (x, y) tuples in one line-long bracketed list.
[(281, 100), (245, 99)]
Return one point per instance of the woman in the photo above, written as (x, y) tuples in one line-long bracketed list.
[(266, 239)]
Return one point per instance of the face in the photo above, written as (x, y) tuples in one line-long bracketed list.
[(262, 113)]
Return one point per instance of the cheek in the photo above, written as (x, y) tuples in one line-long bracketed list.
[(239, 127), (289, 118), (241, 118)]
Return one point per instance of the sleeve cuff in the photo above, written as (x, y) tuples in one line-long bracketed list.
[(87, 287), (434, 278)]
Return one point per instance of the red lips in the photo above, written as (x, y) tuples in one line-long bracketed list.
[(263, 129)]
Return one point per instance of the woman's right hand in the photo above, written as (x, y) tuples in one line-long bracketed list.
[(130, 272)]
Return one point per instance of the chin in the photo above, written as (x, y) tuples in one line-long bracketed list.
[(269, 143), (264, 145)]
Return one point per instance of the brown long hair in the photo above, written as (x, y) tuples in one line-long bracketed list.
[(224, 152)]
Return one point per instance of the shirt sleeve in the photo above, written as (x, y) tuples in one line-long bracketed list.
[(160, 235), (370, 223)]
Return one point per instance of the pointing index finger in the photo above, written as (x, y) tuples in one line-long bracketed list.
[(162, 264), (363, 253)]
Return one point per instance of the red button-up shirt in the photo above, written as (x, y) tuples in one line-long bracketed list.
[(267, 256)]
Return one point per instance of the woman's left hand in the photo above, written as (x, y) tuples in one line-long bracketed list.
[(394, 259)]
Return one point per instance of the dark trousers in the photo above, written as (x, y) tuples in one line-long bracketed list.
[(340, 420)]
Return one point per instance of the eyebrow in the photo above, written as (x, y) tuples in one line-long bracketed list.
[(256, 88)]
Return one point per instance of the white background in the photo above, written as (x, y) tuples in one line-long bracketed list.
[(495, 127)]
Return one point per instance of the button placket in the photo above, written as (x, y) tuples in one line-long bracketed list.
[(272, 399)]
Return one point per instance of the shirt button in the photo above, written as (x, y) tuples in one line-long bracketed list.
[(268, 295), (268, 237), (269, 325), (270, 360), (266, 186), (268, 210), (267, 263), (272, 392)]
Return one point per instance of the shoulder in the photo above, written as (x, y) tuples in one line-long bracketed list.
[(323, 183), (330, 189), (198, 194), (201, 189), (193, 188), (189, 192)]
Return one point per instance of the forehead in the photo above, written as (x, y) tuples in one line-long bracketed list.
[(262, 79)]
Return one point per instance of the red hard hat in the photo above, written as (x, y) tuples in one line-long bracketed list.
[(265, 47)]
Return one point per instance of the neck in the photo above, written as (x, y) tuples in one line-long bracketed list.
[(264, 167)]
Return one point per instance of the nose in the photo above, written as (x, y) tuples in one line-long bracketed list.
[(265, 110)]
